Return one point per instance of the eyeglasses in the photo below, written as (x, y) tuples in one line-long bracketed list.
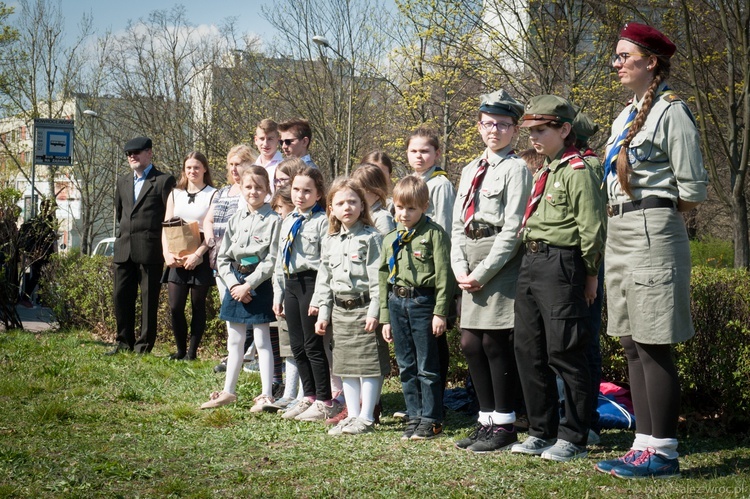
[(288, 142), (489, 125), (622, 57), (280, 181), (134, 153)]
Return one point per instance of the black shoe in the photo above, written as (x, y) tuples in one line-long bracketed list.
[(476, 434), (221, 368), (411, 427), (177, 356), (495, 439), (427, 430)]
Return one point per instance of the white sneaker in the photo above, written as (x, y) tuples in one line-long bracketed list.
[(320, 411), (358, 426), (298, 409), (338, 429)]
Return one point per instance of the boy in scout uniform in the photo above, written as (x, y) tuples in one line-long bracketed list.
[(491, 201), (416, 286), (563, 234)]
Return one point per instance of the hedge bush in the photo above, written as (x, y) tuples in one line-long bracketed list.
[(714, 366)]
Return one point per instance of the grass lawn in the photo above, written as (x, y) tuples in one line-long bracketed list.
[(74, 423)]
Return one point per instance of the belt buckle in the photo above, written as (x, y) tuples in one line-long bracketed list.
[(610, 211), (533, 246), (402, 292), (349, 304), (477, 233)]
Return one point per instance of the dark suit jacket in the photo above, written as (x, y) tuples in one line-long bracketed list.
[(139, 234)]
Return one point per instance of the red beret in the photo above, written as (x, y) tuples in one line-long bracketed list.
[(649, 38)]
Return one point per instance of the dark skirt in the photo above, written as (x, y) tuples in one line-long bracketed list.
[(258, 311), (202, 275)]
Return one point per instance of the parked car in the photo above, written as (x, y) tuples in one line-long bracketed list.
[(106, 247)]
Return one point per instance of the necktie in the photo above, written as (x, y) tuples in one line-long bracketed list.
[(610, 163), (293, 231), (439, 172), (402, 239), (536, 196), (470, 203)]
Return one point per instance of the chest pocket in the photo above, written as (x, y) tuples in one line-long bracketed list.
[(423, 254), (358, 259), (310, 243), (555, 204)]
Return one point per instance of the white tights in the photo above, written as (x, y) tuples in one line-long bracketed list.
[(365, 389), (235, 343)]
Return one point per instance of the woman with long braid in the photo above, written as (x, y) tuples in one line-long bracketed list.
[(653, 171)]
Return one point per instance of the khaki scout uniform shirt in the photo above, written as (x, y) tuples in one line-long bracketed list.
[(305, 250), (349, 268), (442, 199), (665, 154), (422, 263), (501, 202), (568, 214), (250, 233), (382, 218)]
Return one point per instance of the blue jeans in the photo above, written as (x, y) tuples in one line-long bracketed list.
[(417, 356)]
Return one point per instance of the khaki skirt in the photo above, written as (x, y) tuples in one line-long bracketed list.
[(492, 306), (357, 353), (647, 277)]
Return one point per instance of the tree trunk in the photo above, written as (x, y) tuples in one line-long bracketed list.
[(741, 240)]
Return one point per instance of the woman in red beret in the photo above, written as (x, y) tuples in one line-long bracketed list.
[(653, 171)]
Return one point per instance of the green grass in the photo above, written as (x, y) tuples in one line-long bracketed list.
[(74, 423)]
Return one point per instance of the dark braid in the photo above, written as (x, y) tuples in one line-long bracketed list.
[(623, 166)]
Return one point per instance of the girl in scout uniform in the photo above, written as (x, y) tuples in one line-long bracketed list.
[(375, 186), (296, 270), (653, 171), (347, 291), (491, 200), (563, 232), (246, 261)]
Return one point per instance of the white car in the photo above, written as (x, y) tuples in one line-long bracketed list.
[(106, 247)]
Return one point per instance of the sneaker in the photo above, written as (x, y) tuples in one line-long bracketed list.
[(261, 402), (533, 445), (358, 426), (648, 465), (217, 399), (297, 409), (594, 438), (251, 367), (494, 438), (339, 428), (401, 415), (476, 434), (606, 466), (564, 451), (319, 411), (338, 417), (411, 427), (427, 430)]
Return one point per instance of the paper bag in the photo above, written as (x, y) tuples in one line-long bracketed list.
[(183, 237)]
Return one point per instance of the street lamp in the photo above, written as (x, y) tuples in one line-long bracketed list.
[(94, 114), (322, 42)]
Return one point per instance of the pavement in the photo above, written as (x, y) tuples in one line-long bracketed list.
[(36, 319)]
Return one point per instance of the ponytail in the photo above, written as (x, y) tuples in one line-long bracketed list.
[(623, 166)]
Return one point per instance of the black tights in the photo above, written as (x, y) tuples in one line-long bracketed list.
[(655, 387), (492, 365), (178, 294)]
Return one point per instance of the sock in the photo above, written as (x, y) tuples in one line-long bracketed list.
[(484, 418), (503, 418), (665, 447), (641, 442)]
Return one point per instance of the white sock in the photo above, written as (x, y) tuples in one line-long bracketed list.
[(262, 342), (503, 417), (641, 442), (352, 390), (665, 447), (371, 387), (484, 418), (292, 379), (235, 348)]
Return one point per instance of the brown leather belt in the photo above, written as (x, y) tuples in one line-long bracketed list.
[(542, 247), (475, 233), (409, 292), (349, 303)]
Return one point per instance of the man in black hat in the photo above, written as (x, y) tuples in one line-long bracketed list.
[(141, 200)]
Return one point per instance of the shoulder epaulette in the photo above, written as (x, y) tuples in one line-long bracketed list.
[(672, 98), (577, 163), (573, 156)]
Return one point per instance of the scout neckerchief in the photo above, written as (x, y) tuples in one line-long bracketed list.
[(536, 196), (402, 239), (588, 153), (293, 231), (610, 163), (439, 172), (470, 203)]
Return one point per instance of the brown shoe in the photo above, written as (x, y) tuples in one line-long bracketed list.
[(218, 399)]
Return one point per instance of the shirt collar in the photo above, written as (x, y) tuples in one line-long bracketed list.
[(145, 173), (495, 156), (417, 226)]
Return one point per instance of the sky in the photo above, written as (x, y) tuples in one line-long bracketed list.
[(115, 14)]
